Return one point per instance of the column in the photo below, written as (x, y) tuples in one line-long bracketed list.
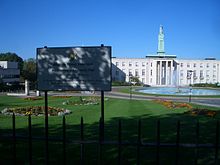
[(171, 72), (26, 87), (167, 74), (157, 73), (163, 76), (38, 93), (160, 73)]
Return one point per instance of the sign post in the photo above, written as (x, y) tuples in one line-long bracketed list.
[(46, 128)]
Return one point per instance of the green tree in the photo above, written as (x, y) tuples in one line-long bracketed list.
[(12, 57), (29, 70), (135, 80)]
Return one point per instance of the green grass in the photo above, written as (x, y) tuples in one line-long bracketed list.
[(129, 111)]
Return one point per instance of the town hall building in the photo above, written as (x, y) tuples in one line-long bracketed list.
[(162, 69)]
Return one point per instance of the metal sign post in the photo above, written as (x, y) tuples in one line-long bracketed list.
[(102, 115), (46, 127)]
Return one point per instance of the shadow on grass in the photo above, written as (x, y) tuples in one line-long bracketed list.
[(168, 127)]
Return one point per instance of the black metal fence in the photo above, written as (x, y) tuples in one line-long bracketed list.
[(101, 142)]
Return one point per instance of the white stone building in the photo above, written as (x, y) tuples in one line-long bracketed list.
[(166, 70), (9, 72)]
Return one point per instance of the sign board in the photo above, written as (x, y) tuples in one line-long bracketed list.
[(74, 68)]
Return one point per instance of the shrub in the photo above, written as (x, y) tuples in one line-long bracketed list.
[(206, 85)]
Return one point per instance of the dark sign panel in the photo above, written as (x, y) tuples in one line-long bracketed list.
[(74, 68)]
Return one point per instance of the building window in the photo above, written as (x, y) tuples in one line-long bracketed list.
[(188, 65), (189, 74), (130, 63), (151, 72), (143, 63), (207, 65), (201, 74), (214, 74), (151, 64), (194, 74), (181, 73), (143, 72), (123, 63), (143, 80), (117, 63), (207, 73), (194, 65), (214, 65), (181, 64), (136, 63), (130, 72), (201, 65), (136, 73)]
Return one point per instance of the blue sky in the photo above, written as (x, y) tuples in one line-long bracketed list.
[(191, 27)]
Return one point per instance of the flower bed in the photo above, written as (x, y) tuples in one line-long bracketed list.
[(36, 111), (204, 112), (33, 98), (171, 104), (83, 101), (61, 97)]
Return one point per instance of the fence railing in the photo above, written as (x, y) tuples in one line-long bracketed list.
[(100, 142)]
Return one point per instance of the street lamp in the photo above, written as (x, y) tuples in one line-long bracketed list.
[(190, 85), (130, 87)]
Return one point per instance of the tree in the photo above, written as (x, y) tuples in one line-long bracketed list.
[(12, 57), (29, 70), (135, 80)]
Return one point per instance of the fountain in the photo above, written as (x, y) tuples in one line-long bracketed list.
[(181, 91)]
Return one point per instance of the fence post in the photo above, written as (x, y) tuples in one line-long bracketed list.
[(30, 139), (119, 142), (177, 142), (14, 138), (217, 143), (64, 140), (197, 141), (82, 140), (158, 142), (139, 142)]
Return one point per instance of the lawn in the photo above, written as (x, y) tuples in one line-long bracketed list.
[(129, 111)]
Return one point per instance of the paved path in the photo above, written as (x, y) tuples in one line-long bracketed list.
[(215, 102), (197, 100)]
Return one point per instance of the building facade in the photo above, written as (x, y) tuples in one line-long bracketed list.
[(9, 72), (166, 70)]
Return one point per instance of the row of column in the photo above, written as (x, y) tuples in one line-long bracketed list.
[(163, 73)]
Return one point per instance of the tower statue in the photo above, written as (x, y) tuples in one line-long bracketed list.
[(160, 49)]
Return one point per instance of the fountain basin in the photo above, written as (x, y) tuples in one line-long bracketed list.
[(179, 91)]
